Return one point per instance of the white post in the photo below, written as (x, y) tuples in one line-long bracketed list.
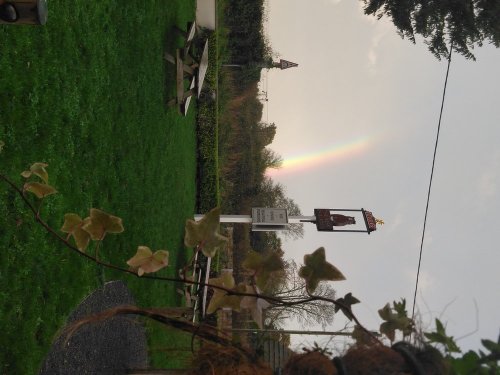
[(230, 218), (248, 219)]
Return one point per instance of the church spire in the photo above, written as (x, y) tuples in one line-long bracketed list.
[(284, 64)]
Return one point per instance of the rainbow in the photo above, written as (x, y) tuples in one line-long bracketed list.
[(317, 158)]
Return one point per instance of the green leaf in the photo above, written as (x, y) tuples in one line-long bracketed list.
[(440, 327), (347, 301), (440, 337), (395, 320), (2, 145), (205, 233), (467, 364), (492, 346), (316, 269), (220, 298), (40, 190), (263, 266), (38, 169), (385, 312), (388, 329), (101, 223), (361, 336), (147, 262), (73, 225), (400, 307)]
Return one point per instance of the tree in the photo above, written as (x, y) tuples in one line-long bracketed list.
[(272, 194), (290, 287), (270, 159), (459, 23), (265, 133)]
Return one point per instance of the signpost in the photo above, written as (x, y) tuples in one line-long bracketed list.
[(269, 219), (326, 220)]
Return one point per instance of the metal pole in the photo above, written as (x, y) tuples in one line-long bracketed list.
[(248, 218), (296, 332), (230, 218), (301, 219)]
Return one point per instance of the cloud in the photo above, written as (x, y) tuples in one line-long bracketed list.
[(382, 28), (487, 185), (425, 280), (488, 182), (395, 223)]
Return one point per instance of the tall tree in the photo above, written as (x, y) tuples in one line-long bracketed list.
[(290, 287), (272, 194), (459, 23)]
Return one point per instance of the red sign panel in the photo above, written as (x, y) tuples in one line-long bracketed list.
[(323, 219), (370, 221)]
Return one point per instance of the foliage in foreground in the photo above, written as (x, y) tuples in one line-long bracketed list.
[(204, 235)]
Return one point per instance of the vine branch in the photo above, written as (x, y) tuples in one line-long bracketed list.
[(270, 299)]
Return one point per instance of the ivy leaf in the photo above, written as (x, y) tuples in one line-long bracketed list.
[(38, 169), (467, 364), (348, 300), (389, 329), (205, 233), (492, 346), (40, 190), (147, 262), (316, 269), (101, 223), (220, 297), (263, 266), (385, 312), (400, 307), (73, 225), (361, 337), (254, 304), (440, 337), (395, 320)]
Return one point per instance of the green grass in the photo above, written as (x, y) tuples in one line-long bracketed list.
[(86, 94)]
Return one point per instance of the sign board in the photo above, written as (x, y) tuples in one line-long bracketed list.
[(269, 216), (323, 220), (371, 223), (269, 219), (334, 220)]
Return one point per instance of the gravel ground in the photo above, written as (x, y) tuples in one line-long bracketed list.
[(106, 348)]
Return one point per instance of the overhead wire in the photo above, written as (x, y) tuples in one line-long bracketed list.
[(430, 183)]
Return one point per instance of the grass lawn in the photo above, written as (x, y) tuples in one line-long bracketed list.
[(86, 94)]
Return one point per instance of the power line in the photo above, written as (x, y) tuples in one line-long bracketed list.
[(430, 183)]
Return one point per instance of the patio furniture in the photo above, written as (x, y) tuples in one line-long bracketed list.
[(190, 67)]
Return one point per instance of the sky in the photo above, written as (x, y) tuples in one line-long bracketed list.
[(356, 127)]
